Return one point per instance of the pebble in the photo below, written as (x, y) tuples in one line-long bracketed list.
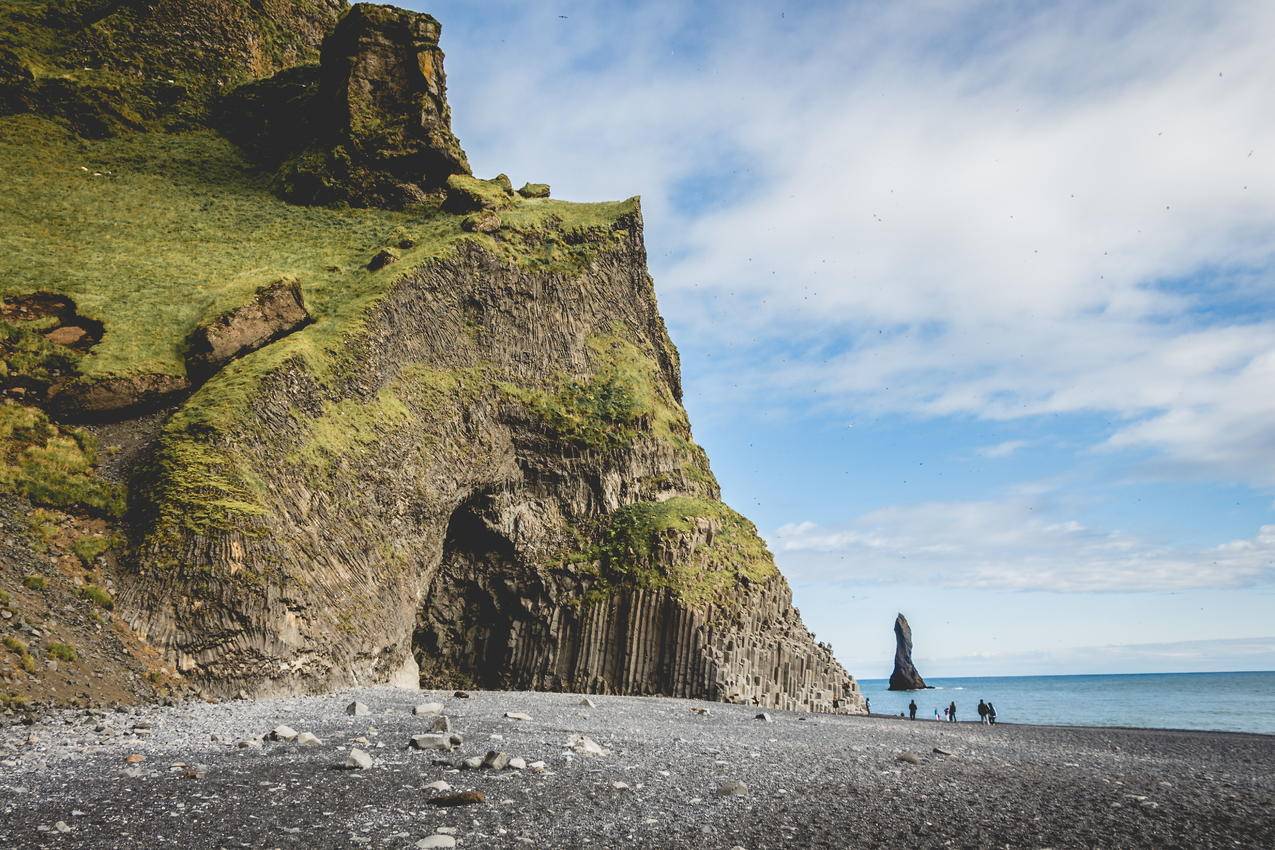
[(517, 715), (436, 841), (910, 758), (308, 739), (620, 786), (586, 746), (135, 758), (446, 830), (518, 763), (438, 785), (464, 798), (471, 763), (764, 717), (250, 743), (357, 709), (496, 760), (62, 826), (939, 751), (431, 742), (358, 760), (732, 788), (587, 703), (283, 733), (427, 708), (461, 695)]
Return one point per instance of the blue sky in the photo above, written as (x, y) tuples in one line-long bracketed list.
[(976, 302)]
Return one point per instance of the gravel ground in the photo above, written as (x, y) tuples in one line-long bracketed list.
[(812, 781)]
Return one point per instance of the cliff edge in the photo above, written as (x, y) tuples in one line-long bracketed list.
[(293, 401)]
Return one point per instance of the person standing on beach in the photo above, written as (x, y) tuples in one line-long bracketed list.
[(982, 712), (912, 710), (991, 714), (867, 705), (951, 712)]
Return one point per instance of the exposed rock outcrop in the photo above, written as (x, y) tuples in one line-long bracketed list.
[(274, 310), (905, 676)]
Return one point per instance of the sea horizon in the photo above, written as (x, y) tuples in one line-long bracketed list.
[(1230, 701)]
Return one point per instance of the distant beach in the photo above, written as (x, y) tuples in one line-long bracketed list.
[(1231, 702)]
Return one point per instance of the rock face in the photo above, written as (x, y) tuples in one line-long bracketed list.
[(905, 677)]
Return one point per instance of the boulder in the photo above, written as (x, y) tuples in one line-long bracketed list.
[(94, 399), (283, 733), (470, 194), (496, 760), (381, 259), (357, 709), (431, 742), (275, 310), (358, 760), (483, 221), (428, 708)]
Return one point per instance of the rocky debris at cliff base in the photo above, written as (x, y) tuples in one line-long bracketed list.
[(823, 779)]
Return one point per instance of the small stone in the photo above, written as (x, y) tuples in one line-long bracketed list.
[(496, 760), (764, 717), (701, 711), (250, 743), (461, 695), (194, 771), (62, 826), (586, 746), (939, 751), (438, 785), (357, 709), (537, 766), (471, 763), (910, 758), (732, 788), (620, 786), (135, 758), (441, 723), (517, 715), (283, 733), (358, 760), (436, 841), (431, 742), (464, 798), (382, 258), (587, 703), (66, 335), (308, 739), (428, 708), (446, 830), (518, 763)]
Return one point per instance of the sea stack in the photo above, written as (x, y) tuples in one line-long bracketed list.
[(905, 677)]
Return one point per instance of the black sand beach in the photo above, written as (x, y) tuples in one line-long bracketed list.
[(812, 780)]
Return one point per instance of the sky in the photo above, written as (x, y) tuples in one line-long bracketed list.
[(975, 301)]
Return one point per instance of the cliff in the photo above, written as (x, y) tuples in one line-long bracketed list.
[(309, 405)]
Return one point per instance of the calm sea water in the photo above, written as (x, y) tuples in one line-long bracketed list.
[(1237, 702)]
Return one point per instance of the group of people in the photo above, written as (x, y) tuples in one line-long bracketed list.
[(986, 712)]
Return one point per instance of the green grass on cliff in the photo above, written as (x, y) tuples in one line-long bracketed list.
[(631, 543)]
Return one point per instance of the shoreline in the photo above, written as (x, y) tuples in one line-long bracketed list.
[(1061, 726), (812, 780)]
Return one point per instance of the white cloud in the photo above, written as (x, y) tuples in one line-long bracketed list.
[(1000, 450), (1010, 544), (935, 209)]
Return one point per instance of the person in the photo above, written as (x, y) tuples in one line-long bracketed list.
[(912, 710), (991, 714), (951, 712), (936, 713), (867, 704), (982, 712)]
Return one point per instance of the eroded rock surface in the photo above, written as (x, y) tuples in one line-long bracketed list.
[(274, 310), (905, 676)]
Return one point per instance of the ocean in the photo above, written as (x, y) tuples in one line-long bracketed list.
[(1235, 702)]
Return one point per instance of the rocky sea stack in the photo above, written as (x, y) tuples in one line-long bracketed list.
[(292, 401), (905, 676)]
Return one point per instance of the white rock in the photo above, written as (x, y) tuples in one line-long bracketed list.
[(358, 760), (732, 788), (764, 717), (496, 760), (587, 703), (357, 709), (586, 746), (431, 742), (308, 739), (283, 733), (428, 708), (518, 763), (620, 786), (438, 785), (61, 826), (517, 715), (537, 766), (472, 763), (446, 830), (435, 841)]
